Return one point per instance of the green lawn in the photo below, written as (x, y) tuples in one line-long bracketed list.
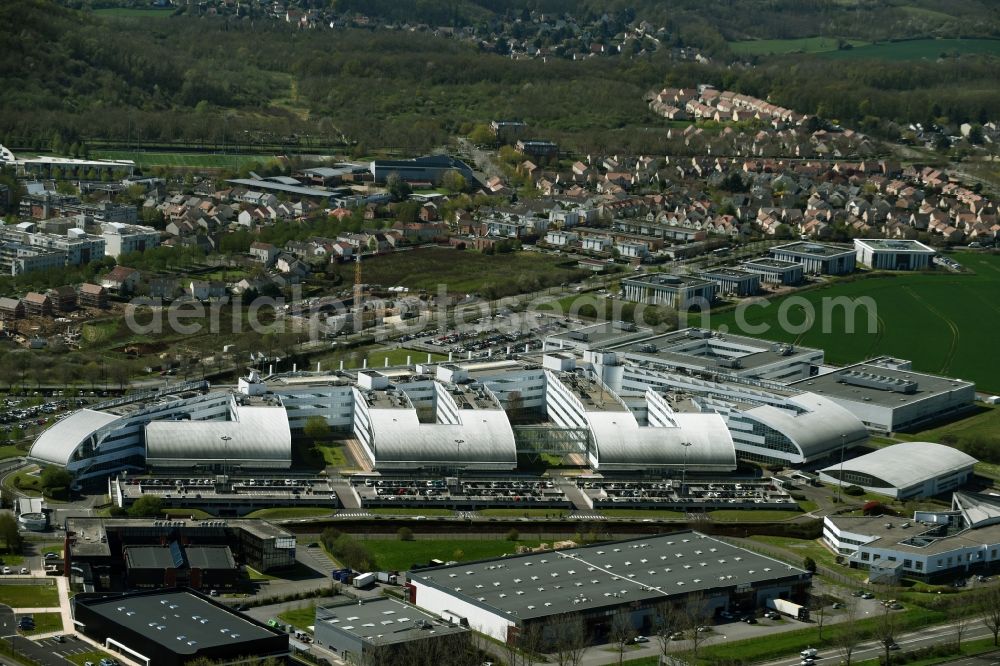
[(659, 514), (333, 454), (410, 511), (523, 513), (467, 271), (94, 657), (810, 548), (30, 596), (291, 512), (782, 46), (984, 423), (46, 623), (918, 49), (10, 451), (12, 559), (956, 314), (396, 555), (169, 159), (256, 575), (752, 515), (300, 618)]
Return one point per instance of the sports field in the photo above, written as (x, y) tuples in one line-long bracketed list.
[(781, 46), (167, 159), (918, 49), (945, 323)]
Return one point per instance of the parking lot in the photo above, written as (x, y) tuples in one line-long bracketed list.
[(52, 651), (459, 493), (696, 494)]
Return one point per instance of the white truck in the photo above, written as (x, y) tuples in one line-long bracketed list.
[(364, 580), (788, 608)]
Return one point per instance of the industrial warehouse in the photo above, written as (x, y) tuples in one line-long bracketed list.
[(175, 627), (505, 598), (621, 398)]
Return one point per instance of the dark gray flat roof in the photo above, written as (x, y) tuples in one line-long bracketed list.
[(164, 616), (812, 249), (832, 384), (605, 575), (209, 557), (149, 557), (268, 185), (384, 621)]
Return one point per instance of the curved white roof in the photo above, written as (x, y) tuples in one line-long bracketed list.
[(259, 435), (906, 464), (816, 431), (57, 444), (487, 439), (621, 442)]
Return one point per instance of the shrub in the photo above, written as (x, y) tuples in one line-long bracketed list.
[(405, 534), (513, 534), (854, 491)]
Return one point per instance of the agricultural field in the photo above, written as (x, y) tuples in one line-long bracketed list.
[(145, 159), (917, 49), (470, 272), (782, 46), (942, 322)]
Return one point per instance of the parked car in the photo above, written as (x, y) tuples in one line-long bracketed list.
[(24, 571), (640, 639), (6, 571)]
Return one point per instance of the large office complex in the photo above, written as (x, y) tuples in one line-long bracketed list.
[(125, 238), (893, 254), (680, 292), (817, 258), (932, 545), (175, 627), (505, 598), (622, 397)]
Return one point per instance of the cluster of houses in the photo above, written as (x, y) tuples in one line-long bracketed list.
[(708, 103), (869, 198)]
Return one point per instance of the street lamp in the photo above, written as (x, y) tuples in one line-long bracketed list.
[(840, 486), (225, 451), (458, 452), (686, 445)]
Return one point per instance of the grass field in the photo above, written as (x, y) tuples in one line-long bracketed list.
[(956, 316), (133, 12), (10, 451), (29, 596), (659, 514), (751, 515), (46, 623), (94, 657), (395, 555), (300, 618), (332, 454), (290, 512), (810, 548), (918, 49), (410, 511), (181, 512), (985, 422), (467, 271), (781, 46), (523, 513), (168, 159)]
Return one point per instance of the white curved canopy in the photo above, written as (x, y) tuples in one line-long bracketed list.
[(817, 431), (483, 439), (906, 464), (57, 444), (258, 436), (621, 442)]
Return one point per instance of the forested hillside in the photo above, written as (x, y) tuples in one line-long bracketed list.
[(84, 78)]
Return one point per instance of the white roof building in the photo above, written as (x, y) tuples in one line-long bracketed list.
[(906, 470)]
